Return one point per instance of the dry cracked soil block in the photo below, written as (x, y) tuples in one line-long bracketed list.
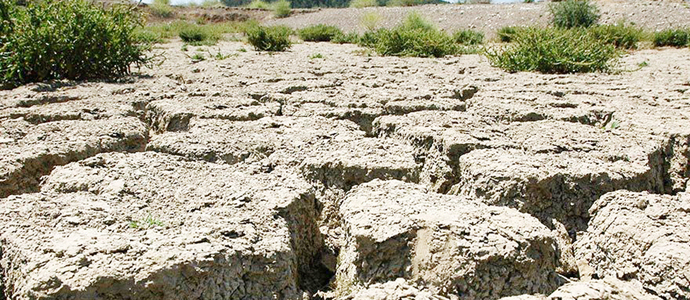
[(232, 142), (550, 169), (447, 244), (154, 226), (640, 236), (174, 114), (29, 151), (606, 289), (334, 152)]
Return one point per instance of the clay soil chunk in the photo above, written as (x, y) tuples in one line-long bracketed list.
[(175, 114), (448, 244), (232, 142), (28, 151), (640, 236), (154, 226)]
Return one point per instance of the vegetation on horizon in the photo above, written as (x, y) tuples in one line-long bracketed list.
[(70, 39), (415, 36), (679, 37), (554, 50), (573, 13), (319, 33), (281, 8), (273, 38)]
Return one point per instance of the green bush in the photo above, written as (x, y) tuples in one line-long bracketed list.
[(414, 37), (619, 35), (415, 21), (506, 33), (275, 38), (672, 37), (193, 34), (468, 37), (319, 33), (349, 38), (363, 3), (555, 51), (573, 13), (259, 4), (370, 20), (281, 8), (212, 32), (71, 39), (161, 9)]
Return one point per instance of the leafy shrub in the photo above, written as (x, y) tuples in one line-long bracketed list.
[(573, 13), (363, 3), (619, 35), (414, 21), (468, 37), (414, 37), (349, 38), (370, 20), (555, 51), (259, 4), (71, 39), (161, 9), (319, 33), (506, 33), (281, 8), (275, 38), (193, 34), (212, 31), (672, 37)]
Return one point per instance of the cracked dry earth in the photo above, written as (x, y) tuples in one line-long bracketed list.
[(349, 177)]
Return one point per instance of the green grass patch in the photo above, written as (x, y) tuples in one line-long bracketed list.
[(70, 39), (319, 33), (679, 37), (281, 9), (259, 4), (346, 38), (573, 13), (363, 3), (468, 37), (505, 34), (209, 34), (553, 50), (162, 9), (620, 35), (414, 37), (274, 38)]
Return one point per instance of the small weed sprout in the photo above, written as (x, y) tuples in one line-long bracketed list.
[(316, 56), (198, 57), (148, 222)]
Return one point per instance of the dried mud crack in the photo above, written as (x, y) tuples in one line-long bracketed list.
[(348, 177)]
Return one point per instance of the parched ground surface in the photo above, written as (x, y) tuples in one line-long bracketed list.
[(266, 176)]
